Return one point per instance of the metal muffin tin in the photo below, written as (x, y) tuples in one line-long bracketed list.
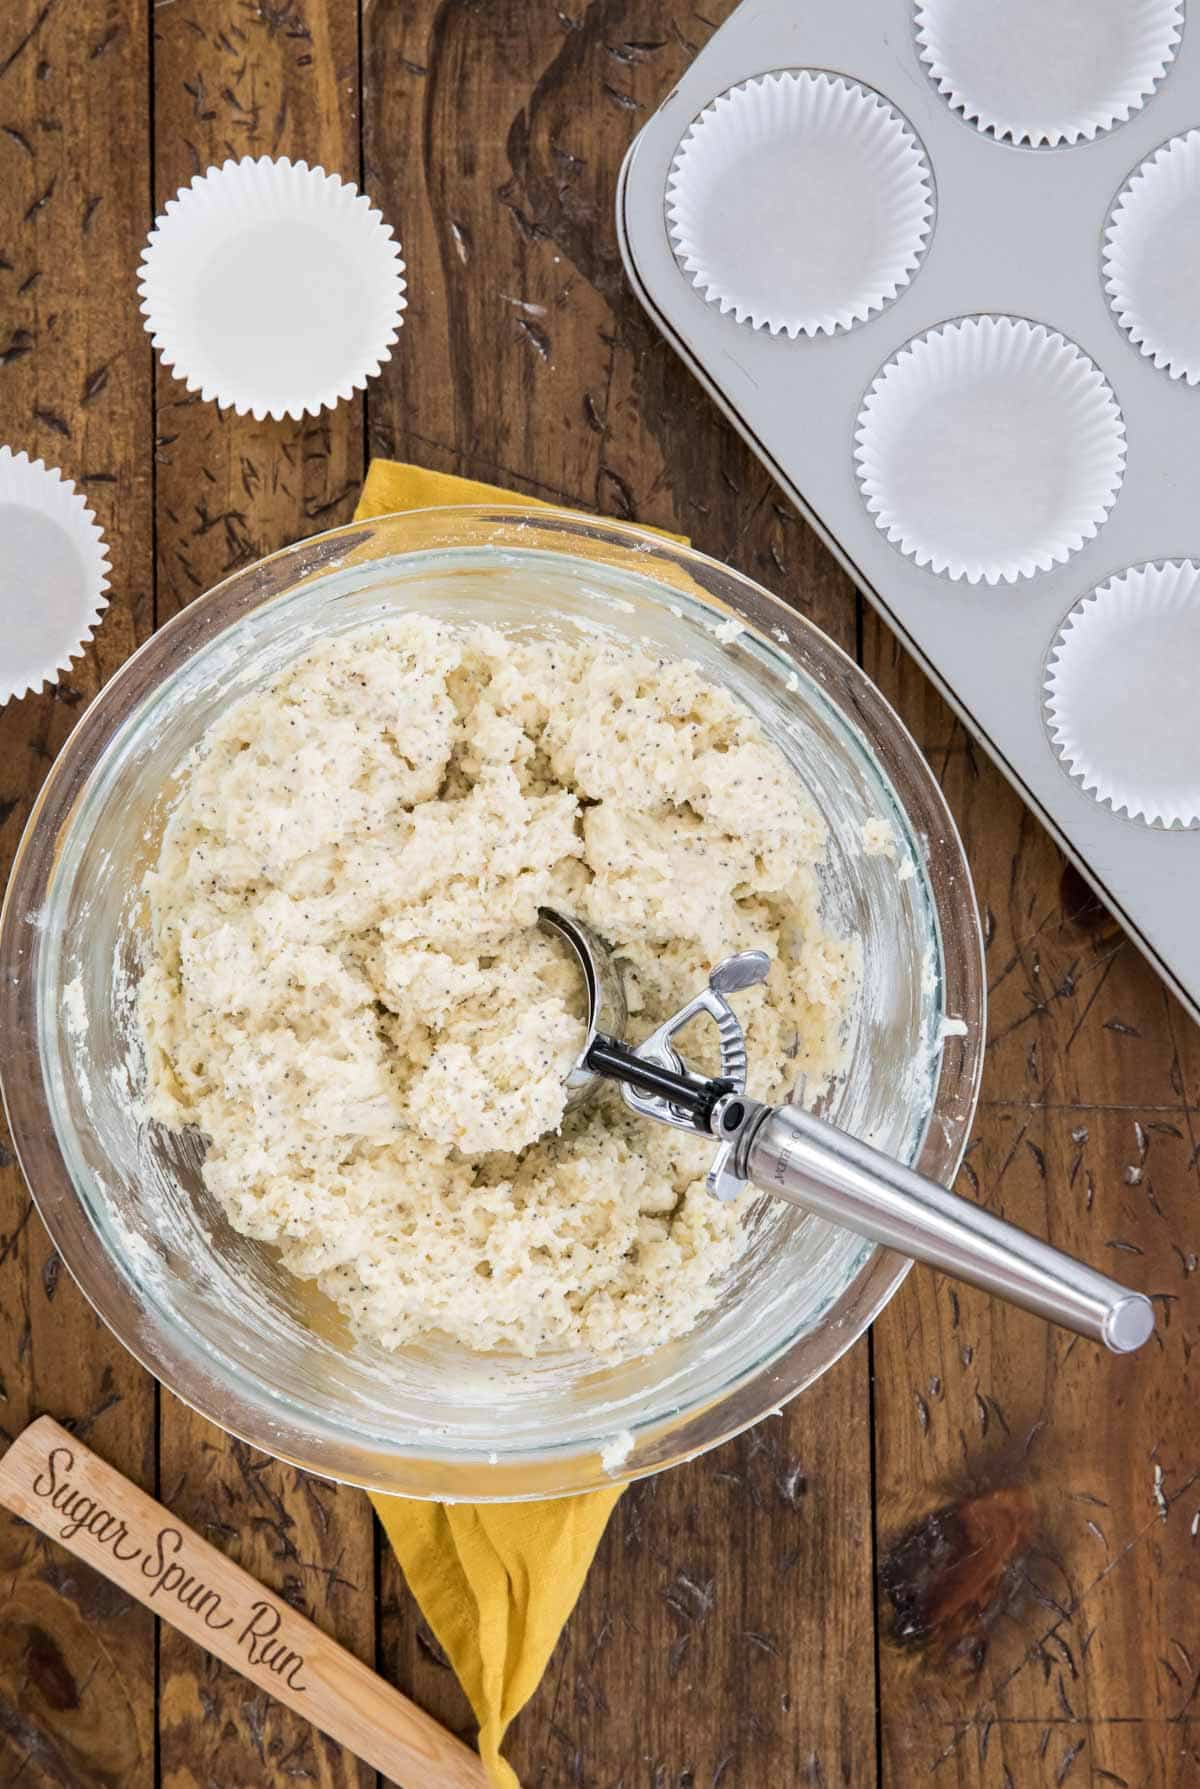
[(1019, 231)]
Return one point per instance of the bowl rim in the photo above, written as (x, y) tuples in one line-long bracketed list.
[(269, 1421)]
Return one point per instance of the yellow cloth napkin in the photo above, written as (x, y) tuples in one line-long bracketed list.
[(496, 1580)]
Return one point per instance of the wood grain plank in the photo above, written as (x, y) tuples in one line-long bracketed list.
[(1104, 1754), (1086, 1134), (1095, 1622), (234, 79), (76, 1657), (724, 1633)]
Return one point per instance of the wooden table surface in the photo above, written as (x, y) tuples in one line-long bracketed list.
[(1029, 1508)]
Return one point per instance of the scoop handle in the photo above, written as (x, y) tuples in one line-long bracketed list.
[(810, 1163)]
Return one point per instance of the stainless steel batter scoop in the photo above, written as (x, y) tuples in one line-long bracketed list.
[(786, 1151)]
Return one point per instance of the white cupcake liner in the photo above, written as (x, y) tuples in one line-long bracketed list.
[(801, 202), (272, 287), (1120, 702), (1152, 258), (990, 449), (1047, 73), (53, 574)]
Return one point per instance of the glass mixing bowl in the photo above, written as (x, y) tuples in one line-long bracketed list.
[(213, 1314)]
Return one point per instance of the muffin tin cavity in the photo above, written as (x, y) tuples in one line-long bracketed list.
[(1152, 257), (800, 202), (1120, 704), (1047, 73), (990, 449)]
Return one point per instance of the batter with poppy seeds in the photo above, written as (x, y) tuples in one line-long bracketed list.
[(347, 992)]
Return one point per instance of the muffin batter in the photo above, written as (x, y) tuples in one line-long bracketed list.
[(348, 994)]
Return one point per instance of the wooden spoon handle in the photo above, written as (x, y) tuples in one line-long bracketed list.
[(52, 1481)]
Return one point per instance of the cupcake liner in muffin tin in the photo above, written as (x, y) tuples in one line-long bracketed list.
[(1121, 703), (800, 202), (1006, 437), (1047, 72), (1152, 258), (990, 448)]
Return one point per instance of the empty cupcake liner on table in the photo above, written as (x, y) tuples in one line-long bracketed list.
[(53, 574), (938, 262), (820, 196), (272, 288)]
